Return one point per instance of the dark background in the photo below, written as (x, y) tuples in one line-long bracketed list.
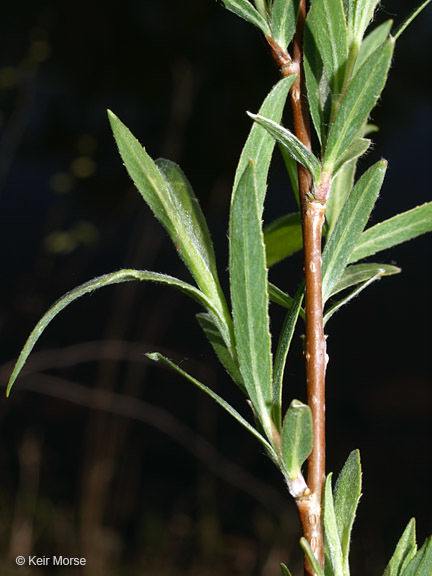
[(106, 456)]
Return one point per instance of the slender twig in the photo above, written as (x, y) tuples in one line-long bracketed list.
[(313, 209)]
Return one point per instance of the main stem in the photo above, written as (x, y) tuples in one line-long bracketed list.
[(313, 208)]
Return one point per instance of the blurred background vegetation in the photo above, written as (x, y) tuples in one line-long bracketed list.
[(104, 455)]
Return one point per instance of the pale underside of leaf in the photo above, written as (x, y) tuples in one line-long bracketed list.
[(247, 12), (296, 148)]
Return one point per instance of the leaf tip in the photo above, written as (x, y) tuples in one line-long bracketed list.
[(155, 356)]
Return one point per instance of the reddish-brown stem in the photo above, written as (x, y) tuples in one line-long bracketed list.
[(313, 209)]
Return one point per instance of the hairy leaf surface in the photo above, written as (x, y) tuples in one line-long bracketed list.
[(352, 220), (259, 144), (297, 437), (347, 494), (284, 20), (357, 103), (405, 551), (249, 295), (292, 144), (332, 542), (393, 231)]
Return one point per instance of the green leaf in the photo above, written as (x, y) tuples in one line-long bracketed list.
[(282, 352), (356, 149), (317, 86), (329, 313), (297, 438), (248, 275), (332, 542), (421, 564), (285, 571), (346, 498), (311, 557), (372, 41), (359, 14), (226, 357), (410, 18), (359, 99), (293, 145), (396, 230), (284, 20), (155, 356), (91, 286), (326, 22), (405, 550), (340, 190), (352, 220), (168, 193), (246, 11), (259, 145), (359, 273), (283, 237)]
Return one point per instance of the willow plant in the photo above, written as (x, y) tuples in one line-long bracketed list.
[(333, 72)]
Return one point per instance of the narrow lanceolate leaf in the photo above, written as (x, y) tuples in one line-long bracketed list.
[(282, 352), (100, 282), (326, 22), (410, 18), (405, 551), (168, 193), (351, 222), (283, 237), (259, 144), (372, 41), (358, 101), (296, 438), (245, 10), (292, 144), (155, 356), (311, 557), (360, 287), (249, 296), (332, 542), (359, 273), (340, 190), (421, 564), (360, 13), (347, 494), (317, 85), (396, 230), (356, 149), (226, 356), (283, 22)]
